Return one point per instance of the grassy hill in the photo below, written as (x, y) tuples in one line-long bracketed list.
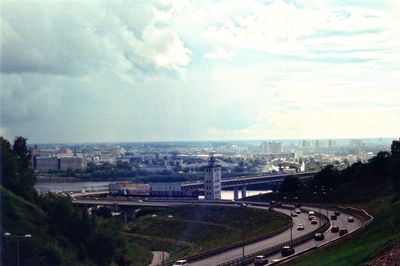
[(21, 217), (194, 229), (381, 234)]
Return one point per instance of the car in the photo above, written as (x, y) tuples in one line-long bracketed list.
[(300, 227), (244, 205), (314, 221), (181, 263), (260, 260), (337, 213), (333, 217), (319, 237), (335, 229), (311, 213), (311, 217), (275, 260), (350, 219), (293, 214), (287, 251), (298, 211), (343, 231)]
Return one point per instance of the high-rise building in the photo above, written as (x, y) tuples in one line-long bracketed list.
[(212, 180), (274, 148)]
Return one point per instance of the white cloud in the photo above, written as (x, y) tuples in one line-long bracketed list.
[(250, 69), (220, 54)]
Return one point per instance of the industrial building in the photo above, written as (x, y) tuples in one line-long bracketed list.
[(46, 164), (129, 189)]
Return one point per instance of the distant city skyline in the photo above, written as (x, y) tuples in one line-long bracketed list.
[(90, 71)]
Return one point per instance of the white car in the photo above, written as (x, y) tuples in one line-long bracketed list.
[(181, 263), (300, 227)]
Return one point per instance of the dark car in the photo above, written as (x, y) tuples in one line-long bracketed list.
[(335, 229), (319, 237), (333, 217), (260, 260), (314, 221), (337, 213), (287, 251), (343, 232)]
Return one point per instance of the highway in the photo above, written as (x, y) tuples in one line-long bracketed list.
[(342, 222), (285, 236)]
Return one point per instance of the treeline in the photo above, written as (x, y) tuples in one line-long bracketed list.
[(383, 168), (360, 181), (62, 233)]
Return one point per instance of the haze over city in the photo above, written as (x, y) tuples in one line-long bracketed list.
[(93, 71)]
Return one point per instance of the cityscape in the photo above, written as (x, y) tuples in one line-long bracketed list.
[(200, 132)]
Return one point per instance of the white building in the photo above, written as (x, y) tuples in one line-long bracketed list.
[(212, 180)]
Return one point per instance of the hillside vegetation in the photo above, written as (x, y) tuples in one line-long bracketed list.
[(61, 233), (192, 229), (381, 234)]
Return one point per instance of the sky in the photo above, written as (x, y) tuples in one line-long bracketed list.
[(104, 71)]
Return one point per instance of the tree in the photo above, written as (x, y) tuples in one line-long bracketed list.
[(16, 174), (291, 184), (395, 148), (327, 177)]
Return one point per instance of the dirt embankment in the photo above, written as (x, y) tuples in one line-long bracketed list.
[(389, 257)]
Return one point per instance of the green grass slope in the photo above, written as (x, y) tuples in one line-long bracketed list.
[(378, 236), (20, 217), (194, 229)]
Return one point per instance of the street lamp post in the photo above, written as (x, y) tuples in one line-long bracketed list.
[(242, 244), (18, 237), (291, 232)]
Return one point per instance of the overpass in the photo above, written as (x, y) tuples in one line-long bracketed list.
[(241, 182), (235, 183)]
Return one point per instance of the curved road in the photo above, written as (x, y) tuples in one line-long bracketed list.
[(342, 222), (254, 247)]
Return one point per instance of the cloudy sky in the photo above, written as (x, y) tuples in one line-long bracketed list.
[(79, 71)]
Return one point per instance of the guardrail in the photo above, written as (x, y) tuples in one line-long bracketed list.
[(235, 245), (362, 215), (277, 248)]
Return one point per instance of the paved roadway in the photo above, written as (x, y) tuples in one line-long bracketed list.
[(342, 222), (251, 248)]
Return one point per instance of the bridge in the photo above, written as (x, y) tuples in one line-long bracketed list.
[(241, 182)]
